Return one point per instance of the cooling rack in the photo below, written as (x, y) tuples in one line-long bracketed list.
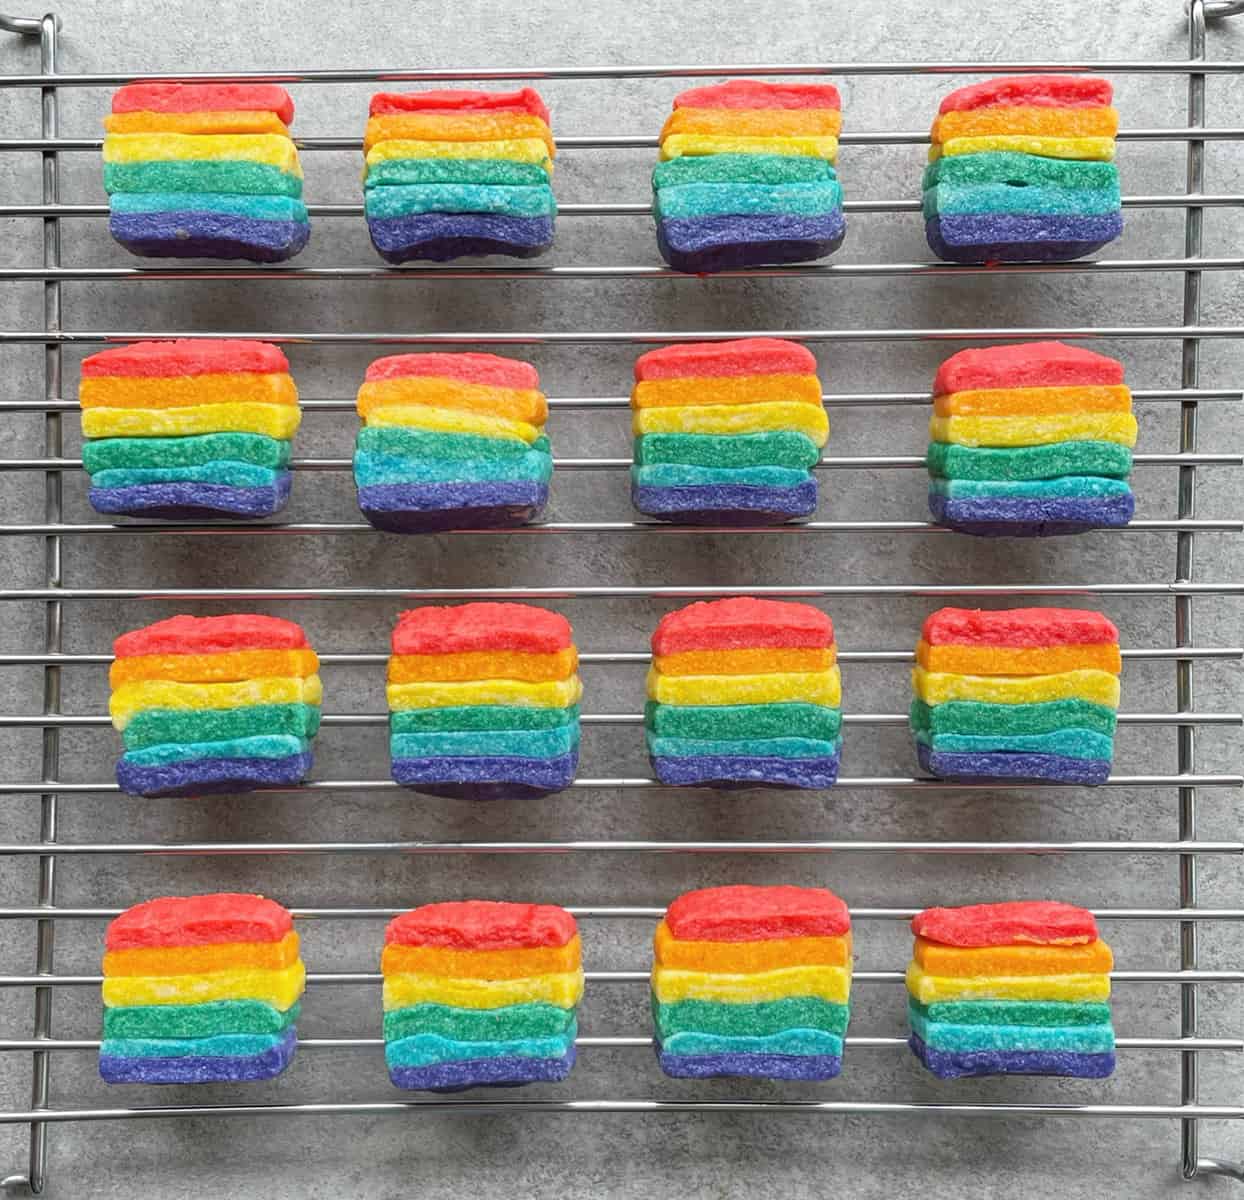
[(57, 595)]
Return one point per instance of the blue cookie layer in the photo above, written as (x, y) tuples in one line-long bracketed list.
[(1013, 238), (208, 235), (765, 747), (727, 505), (1006, 517), (752, 1066), (477, 743), (737, 770), (255, 745), (494, 777), (689, 201), (946, 199), (1069, 742), (385, 470), (258, 208), (970, 1039), (404, 200), (1053, 768), (222, 1045), (957, 1064), (483, 1072), (427, 507), (200, 1068), (187, 501), (703, 245), (208, 776), (440, 237), (427, 1049)]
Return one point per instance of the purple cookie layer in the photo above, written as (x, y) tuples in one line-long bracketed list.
[(1011, 517), (208, 235), (719, 770), (955, 1064), (483, 1072), (488, 777), (429, 507), (731, 504), (439, 237), (751, 1066), (1000, 764), (200, 1068), (702, 245), (1011, 237), (211, 776), (185, 501)]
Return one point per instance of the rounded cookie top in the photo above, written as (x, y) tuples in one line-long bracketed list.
[(204, 97), (1039, 922), (485, 625), (464, 100), (186, 356), (755, 93), (199, 921), (482, 925), (1031, 91), (744, 356), (185, 634), (743, 622), (488, 370), (744, 913), (1030, 364), (1018, 627)]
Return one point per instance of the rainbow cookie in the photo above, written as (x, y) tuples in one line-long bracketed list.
[(214, 704), (451, 441), (484, 701), (746, 176), (200, 989), (204, 171), (456, 173), (480, 994), (1020, 988), (1025, 693), (752, 981), (727, 433), (1031, 440), (1020, 168), (188, 429), (742, 693)]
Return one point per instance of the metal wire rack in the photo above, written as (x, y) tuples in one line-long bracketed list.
[(1188, 915)]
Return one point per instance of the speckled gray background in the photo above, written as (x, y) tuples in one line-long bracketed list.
[(631, 1156)]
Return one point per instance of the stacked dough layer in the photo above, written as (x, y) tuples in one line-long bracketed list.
[(480, 993), (204, 170), (752, 981)]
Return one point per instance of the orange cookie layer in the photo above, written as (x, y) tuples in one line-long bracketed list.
[(445, 962), (959, 962), (483, 664), (183, 391), (746, 958), (758, 661), (1033, 402), (229, 667), (1018, 660), (755, 122), (518, 404), (1040, 122), (727, 389), (198, 960)]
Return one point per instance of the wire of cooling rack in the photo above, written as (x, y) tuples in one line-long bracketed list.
[(1188, 915)]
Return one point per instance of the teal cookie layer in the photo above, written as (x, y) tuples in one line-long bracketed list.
[(221, 1045), (398, 171), (1068, 486), (1029, 462), (1045, 1013), (776, 747), (263, 745), (258, 208), (521, 743), (1074, 1039), (157, 726), (231, 474), (678, 475), (741, 168), (749, 1020), (480, 717), (511, 1022), (954, 199), (230, 177), (371, 470), (1023, 170), (381, 203), (1070, 743), (119, 454), (691, 200), (780, 449), (975, 717), (423, 1049), (789, 1041), (420, 444), (793, 719), (197, 1020)]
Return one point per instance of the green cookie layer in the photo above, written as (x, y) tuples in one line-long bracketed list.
[(227, 176), (414, 443), (679, 475), (1069, 743), (262, 745), (783, 449), (1029, 462), (749, 1020), (950, 199), (455, 170), (1076, 487), (511, 1022), (1024, 170), (1045, 1013), (774, 747), (1070, 1039), (741, 168), (1002, 720), (743, 720), (480, 717), (115, 454), (227, 472), (197, 1020), (158, 726)]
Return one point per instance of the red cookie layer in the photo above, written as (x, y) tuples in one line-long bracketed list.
[(482, 626), (743, 913), (1040, 922), (204, 97), (525, 100), (740, 623), (211, 635), (747, 356), (754, 93), (199, 921), (1018, 627), (482, 925), (1033, 364), (1031, 91), (183, 356), (489, 370)]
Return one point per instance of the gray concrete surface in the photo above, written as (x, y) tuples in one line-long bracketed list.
[(631, 1156)]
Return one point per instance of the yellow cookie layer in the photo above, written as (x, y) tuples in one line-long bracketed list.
[(807, 419), (1018, 660), (218, 121), (275, 420), (1039, 122), (182, 391), (483, 664), (457, 127), (679, 144), (726, 389), (269, 148), (559, 693), (746, 958), (1033, 401), (938, 989), (670, 985), (230, 667), (444, 961), (516, 404), (133, 698), (968, 961), (278, 988), (756, 661), (754, 122), (448, 420), (199, 960), (810, 687), (1097, 687), (564, 989), (1035, 431), (530, 150), (1099, 149)]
